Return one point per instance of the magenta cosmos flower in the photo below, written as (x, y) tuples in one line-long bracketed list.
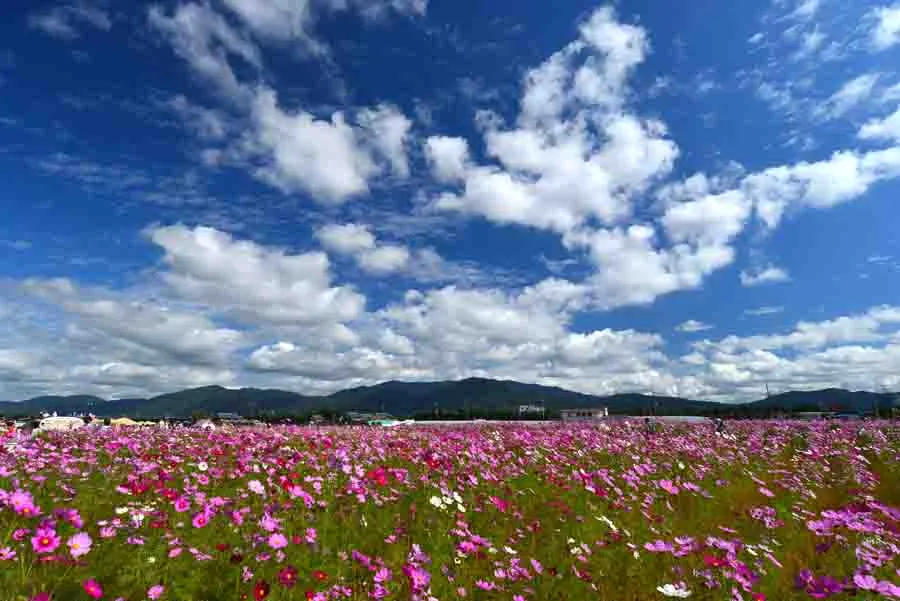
[(155, 591), (92, 588), (45, 541), (278, 541)]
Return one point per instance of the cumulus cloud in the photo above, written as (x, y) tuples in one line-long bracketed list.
[(332, 160), (575, 153), (357, 241), (346, 239), (447, 157), (258, 284), (844, 176), (173, 335), (887, 128), (767, 275), (885, 32), (858, 352)]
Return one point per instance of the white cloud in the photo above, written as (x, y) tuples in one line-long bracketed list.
[(575, 153), (844, 176), (346, 239), (384, 259), (850, 95), (207, 124), (758, 311), (886, 30), (332, 160), (767, 275), (155, 332), (287, 21), (63, 21), (257, 284), (806, 9), (357, 241), (387, 130), (692, 325), (857, 352), (204, 39), (633, 270), (447, 157), (887, 128), (713, 219)]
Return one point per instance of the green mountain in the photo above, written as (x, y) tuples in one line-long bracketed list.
[(461, 397)]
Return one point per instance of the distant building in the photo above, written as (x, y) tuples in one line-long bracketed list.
[(360, 417), (584, 415), (229, 417), (534, 409)]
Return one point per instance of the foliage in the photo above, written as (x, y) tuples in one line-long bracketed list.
[(767, 510)]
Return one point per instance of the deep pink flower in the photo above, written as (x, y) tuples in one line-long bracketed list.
[(200, 520), (92, 588), (45, 541)]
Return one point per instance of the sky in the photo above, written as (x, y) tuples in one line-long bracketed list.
[(319, 194)]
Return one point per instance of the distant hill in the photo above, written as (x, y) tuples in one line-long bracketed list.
[(410, 398), (829, 399)]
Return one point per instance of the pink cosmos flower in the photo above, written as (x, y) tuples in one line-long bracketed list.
[(310, 536), (92, 588), (182, 505), (669, 487), (45, 541), (79, 544), (41, 597), (7, 554), (22, 502), (278, 541), (200, 520), (766, 492), (865, 582), (107, 532), (256, 487), (155, 591)]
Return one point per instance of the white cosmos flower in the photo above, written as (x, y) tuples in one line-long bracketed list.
[(671, 590), (202, 466)]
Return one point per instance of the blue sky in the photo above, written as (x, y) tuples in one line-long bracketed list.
[(317, 194)]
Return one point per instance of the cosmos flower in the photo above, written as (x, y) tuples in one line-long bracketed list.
[(261, 590), (672, 590), (45, 541), (278, 541), (287, 576), (155, 591), (79, 544), (92, 588)]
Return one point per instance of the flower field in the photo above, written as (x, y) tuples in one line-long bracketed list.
[(773, 510)]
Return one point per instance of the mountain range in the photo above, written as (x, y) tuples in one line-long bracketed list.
[(472, 395)]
